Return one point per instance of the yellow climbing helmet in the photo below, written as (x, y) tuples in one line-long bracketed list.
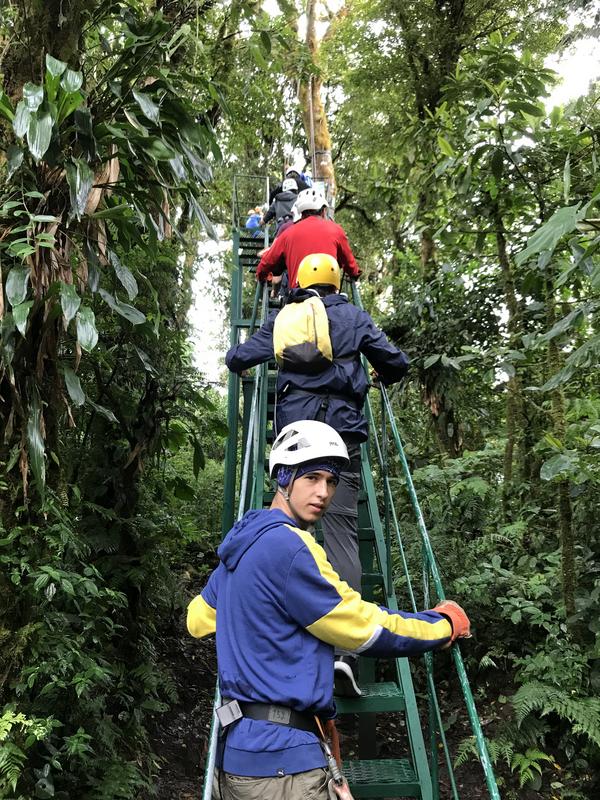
[(319, 268)]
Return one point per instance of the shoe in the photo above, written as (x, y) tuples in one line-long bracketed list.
[(345, 672)]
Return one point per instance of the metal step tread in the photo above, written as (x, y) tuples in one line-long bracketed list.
[(376, 697), (382, 777)]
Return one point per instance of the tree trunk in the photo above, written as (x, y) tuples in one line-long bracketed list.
[(515, 418), (565, 513), (313, 110)]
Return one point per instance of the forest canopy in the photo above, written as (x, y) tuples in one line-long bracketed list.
[(472, 205)]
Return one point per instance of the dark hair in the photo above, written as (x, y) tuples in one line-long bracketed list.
[(323, 288), (312, 213)]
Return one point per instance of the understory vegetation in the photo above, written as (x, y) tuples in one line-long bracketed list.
[(472, 203)]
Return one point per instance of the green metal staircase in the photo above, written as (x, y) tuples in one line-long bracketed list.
[(417, 773)]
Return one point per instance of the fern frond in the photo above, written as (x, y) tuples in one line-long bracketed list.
[(582, 713)]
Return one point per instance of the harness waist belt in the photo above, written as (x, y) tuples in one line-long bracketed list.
[(281, 715)]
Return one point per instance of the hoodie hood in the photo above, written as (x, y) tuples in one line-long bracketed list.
[(247, 531), (298, 295)]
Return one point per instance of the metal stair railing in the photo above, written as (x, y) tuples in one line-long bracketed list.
[(429, 570)]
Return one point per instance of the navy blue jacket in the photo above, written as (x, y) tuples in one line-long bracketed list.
[(352, 333)]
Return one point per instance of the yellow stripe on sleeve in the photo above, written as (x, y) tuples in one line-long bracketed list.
[(354, 623), (201, 618)]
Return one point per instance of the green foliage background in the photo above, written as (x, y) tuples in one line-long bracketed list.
[(472, 207)]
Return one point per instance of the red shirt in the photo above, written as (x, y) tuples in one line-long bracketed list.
[(309, 235)]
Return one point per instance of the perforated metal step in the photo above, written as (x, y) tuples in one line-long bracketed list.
[(383, 777), (375, 697)]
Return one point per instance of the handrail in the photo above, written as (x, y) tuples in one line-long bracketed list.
[(430, 566)]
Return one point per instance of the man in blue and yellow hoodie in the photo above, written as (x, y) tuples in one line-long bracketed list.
[(279, 610)]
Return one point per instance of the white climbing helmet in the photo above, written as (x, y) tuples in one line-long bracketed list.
[(289, 185), (311, 200), (306, 440)]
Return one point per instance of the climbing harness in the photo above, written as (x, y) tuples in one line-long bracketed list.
[(337, 785)]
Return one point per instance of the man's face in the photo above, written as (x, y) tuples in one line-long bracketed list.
[(311, 495)]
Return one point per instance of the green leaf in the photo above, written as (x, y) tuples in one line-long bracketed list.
[(87, 335), (14, 159), (129, 312), (33, 96), (69, 301), (148, 107), (203, 219), (158, 149), (527, 108), (445, 147), (54, 66), (80, 179), (16, 285), (5, 107), (39, 134), (265, 41), (572, 320), (199, 461), (35, 443), (74, 389), (20, 315), (105, 412), (68, 104), (71, 81), (21, 120), (127, 279), (560, 464), (547, 237), (430, 360), (145, 359)]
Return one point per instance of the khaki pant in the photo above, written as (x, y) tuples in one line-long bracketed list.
[(311, 785)]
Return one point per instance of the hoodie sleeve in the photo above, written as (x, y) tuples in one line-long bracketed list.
[(345, 256), (390, 363), (270, 213), (333, 612), (202, 611), (273, 259), (255, 350)]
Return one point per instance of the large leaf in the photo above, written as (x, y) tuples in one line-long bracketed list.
[(87, 335), (130, 313), (39, 134), (16, 285), (20, 315), (561, 465), (54, 66), (35, 443), (547, 237), (71, 81), (158, 149), (74, 389), (203, 219), (14, 159), (22, 119), (33, 95), (6, 108), (105, 412), (69, 301), (148, 106), (80, 179), (572, 320), (445, 147), (93, 266), (127, 279)]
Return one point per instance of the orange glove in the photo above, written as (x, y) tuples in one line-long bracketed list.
[(461, 625)]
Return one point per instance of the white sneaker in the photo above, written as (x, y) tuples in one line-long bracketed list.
[(345, 672)]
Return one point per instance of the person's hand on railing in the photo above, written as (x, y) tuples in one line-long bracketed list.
[(457, 617)]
